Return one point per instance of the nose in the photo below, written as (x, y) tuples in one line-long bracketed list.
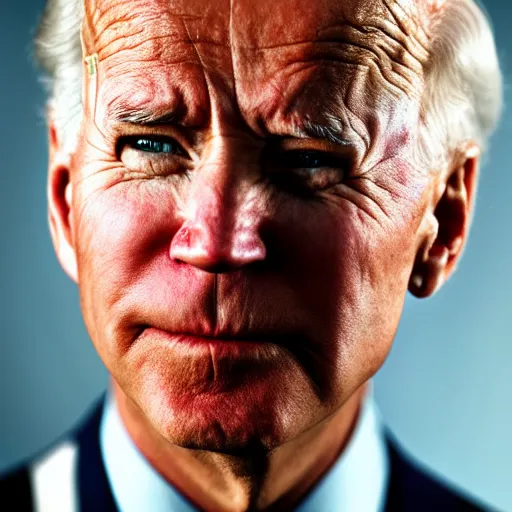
[(221, 232)]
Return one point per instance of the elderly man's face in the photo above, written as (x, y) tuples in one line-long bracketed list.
[(245, 172)]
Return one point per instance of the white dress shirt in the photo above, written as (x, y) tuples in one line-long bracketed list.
[(357, 481)]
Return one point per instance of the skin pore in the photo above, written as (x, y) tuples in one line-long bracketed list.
[(246, 175)]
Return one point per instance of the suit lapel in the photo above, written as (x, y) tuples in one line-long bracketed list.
[(16, 492), (413, 488)]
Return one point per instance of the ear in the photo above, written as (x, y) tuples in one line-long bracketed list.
[(449, 222), (60, 196)]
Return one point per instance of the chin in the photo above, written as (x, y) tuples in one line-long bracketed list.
[(253, 417), (223, 425)]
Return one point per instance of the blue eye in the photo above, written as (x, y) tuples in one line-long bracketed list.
[(151, 145), (154, 154)]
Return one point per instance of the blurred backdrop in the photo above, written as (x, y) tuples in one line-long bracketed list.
[(446, 389)]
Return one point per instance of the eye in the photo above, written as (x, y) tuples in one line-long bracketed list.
[(154, 145), (304, 172), (152, 155), (306, 160)]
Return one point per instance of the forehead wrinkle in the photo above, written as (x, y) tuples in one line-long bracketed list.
[(373, 33), (266, 23), (105, 15), (400, 72), (129, 23), (415, 25), (405, 14), (147, 36), (401, 47), (361, 41), (380, 44)]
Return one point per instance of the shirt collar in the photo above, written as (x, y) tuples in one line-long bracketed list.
[(356, 482)]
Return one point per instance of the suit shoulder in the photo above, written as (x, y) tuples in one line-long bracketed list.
[(15, 490), (415, 487), (21, 486)]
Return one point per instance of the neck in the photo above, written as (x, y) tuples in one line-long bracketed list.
[(261, 481)]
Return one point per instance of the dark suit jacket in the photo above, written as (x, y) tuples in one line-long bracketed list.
[(410, 489)]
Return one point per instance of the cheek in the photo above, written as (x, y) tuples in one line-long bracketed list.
[(119, 232), (351, 275), (111, 229)]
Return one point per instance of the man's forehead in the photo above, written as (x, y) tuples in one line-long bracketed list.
[(106, 20), (250, 23), (276, 62)]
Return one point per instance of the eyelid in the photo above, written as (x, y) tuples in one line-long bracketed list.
[(320, 145), (337, 156), (345, 154)]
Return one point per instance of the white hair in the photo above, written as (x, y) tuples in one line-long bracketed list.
[(462, 99), (463, 96), (59, 51)]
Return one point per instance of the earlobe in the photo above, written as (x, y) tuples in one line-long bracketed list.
[(60, 197), (442, 247), (429, 276)]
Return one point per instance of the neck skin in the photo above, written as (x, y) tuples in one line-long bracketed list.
[(215, 481)]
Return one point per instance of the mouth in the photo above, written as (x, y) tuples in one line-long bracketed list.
[(226, 360), (206, 366), (244, 341), (254, 347), (224, 338)]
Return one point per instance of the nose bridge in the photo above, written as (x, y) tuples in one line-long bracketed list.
[(213, 206), (222, 216), (222, 188)]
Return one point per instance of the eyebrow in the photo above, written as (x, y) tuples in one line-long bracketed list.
[(332, 132), (143, 117)]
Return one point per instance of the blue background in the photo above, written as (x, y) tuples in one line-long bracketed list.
[(445, 389)]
